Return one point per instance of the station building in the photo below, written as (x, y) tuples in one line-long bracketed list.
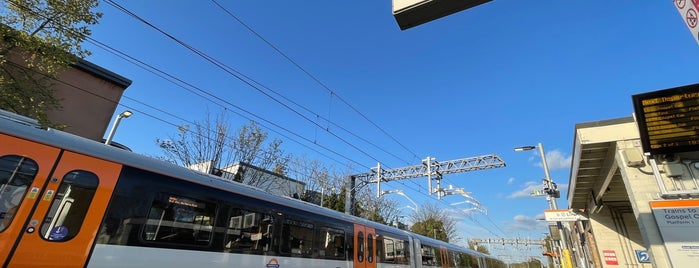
[(640, 210)]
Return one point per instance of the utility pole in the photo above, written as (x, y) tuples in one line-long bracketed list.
[(429, 168), (552, 193)]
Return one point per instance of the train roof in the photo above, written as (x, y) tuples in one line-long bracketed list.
[(27, 128)]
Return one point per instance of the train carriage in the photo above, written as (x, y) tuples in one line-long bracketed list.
[(72, 202)]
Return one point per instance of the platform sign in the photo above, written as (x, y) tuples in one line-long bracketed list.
[(678, 221), (688, 10), (562, 215), (642, 256), (668, 120)]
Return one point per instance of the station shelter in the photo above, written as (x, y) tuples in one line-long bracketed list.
[(639, 210)]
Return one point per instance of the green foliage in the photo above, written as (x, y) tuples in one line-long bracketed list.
[(479, 248), (443, 221), (431, 228), (335, 201), (40, 38)]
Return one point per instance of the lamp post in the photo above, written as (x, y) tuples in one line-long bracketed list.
[(118, 118), (551, 198)]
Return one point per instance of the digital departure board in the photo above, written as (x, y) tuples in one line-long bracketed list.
[(668, 120)]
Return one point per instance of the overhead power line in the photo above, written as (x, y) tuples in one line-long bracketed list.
[(314, 78), (247, 82)]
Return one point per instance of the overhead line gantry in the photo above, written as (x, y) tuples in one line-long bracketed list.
[(430, 168)]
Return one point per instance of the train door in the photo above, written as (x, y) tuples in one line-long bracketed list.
[(61, 212), (444, 257), (364, 247), (24, 167)]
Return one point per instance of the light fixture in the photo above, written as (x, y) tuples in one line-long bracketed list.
[(124, 114)]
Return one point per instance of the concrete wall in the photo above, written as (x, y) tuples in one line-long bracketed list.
[(642, 188)]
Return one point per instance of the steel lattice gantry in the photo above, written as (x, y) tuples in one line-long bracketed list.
[(429, 168)]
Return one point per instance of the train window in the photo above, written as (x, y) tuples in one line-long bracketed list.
[(249, 231), (428, 256), (467, 260), (16, 174), (360, 246), (402, 252), (380, 250), (69, 206), (330, 243), (370, 248), (297, 238), (179, 220), (389, 251), (454, 259)]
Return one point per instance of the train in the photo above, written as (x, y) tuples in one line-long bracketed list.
[(66, 201)]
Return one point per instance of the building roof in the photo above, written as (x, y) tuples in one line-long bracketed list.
[(103, 73), (593, 169)]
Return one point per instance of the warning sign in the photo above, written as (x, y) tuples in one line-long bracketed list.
[(688, 11), (691, 18), (610, 257)]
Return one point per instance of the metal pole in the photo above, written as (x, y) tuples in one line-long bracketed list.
[(554, 205), (378, 179)]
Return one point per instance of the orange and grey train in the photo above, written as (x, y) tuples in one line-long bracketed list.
[(66, 201)]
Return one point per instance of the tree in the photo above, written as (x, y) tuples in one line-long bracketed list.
[(210, 146), (40, 38), (314, 174), (431, 227), (479, 248), (382, 210), (430, 217)]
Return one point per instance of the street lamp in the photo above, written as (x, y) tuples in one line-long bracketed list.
[(123, 114), (551, 195)]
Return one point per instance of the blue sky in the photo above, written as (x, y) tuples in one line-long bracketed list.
[(482, 81)]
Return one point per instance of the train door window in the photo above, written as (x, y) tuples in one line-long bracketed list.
[(249, 231), (179, 220), (389, 251), (297, 238), (16, 174), (438, 256), (360, 246), (370, 248), (69, 206), (330, 243)]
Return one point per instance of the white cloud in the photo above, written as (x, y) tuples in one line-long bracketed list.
[(510, 180), (525, 223), (557, 160), (529, 187)]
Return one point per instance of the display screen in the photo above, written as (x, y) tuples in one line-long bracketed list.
[(668, 120)]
